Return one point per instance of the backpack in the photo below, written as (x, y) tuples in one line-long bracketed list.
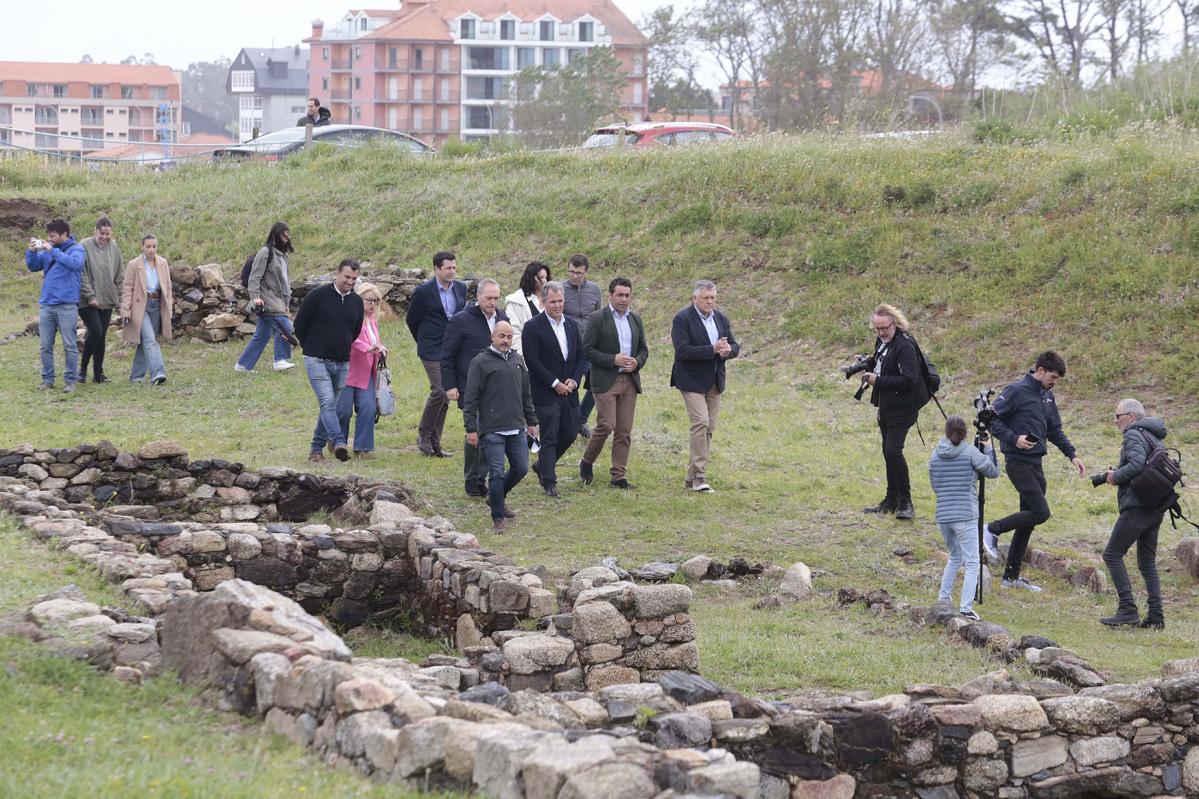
[(1155, 484), (249, 265), (929, 376)]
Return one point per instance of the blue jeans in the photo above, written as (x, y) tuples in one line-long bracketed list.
[(53, 320), (148, 356), (262, 334), (359, 401), (962, 540), (516, 449), (327, 379)]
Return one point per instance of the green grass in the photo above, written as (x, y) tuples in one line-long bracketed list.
[(1085, 242)]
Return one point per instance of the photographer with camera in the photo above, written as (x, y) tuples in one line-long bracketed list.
[(1026, 416), (1138, 522), (894, 374)]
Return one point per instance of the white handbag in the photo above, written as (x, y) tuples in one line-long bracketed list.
[(385, 398)]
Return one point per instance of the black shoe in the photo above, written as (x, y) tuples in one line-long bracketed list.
[(158, 381), (623, 484), (342, 452), (536, 467), (1154, 621), (882, 507), (82, 378), (584, 430), (477, 493), (905, 510), (101, 379), (441, 453), (585, 473), (551, 491), (1124, 616)]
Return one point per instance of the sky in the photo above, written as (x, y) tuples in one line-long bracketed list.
[(177, 34)]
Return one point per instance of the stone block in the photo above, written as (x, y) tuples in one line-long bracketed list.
[(688, 689), (616, 780), (547, 767), (696, 568), (537, 653), (841, 786), (662, 657), (1011, 712), (682, 730), (269, 669), (358, 694), (506, 596), (499, 758), (1038, 754), (1187, 553), (1082, 715), (656, 601), (598, 622), (600, 677), (353, 730)]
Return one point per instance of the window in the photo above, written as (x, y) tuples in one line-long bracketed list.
[(45, 141), (97, 92), (466, 29), (45, 115), (418, 88), (637, 93), (158, 92), (357, 113), (485, 88), (358, 53), (258, 102), (325, 53), (586, 31), (547, 31), (362, 24), (445, 90), (445, 59), (525, 57), (5, 115), (575, 53), (418, 58), (418, 118), (187, 127), (686, 137), (5, 136), (445, 119), (357, 84), (242, 81), (135, 117), (507, 29), (127, 92), (31, 90), (60, 90), (91, 117), (295, 109), (478, 116), (487, 57), (551, 57), (135, 135), (638, 66), (324, 84), (393, 58)]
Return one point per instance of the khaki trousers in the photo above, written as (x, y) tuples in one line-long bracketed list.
[(432, 421), (614, 411), (702, 410)]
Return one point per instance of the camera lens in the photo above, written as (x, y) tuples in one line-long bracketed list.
[(1098, 479)]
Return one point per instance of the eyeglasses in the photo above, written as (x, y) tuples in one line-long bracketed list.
[(371, 301), (1118, 415), (885, 327), (575, 272)]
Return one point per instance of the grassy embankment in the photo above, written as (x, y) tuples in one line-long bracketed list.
[(994, 251)]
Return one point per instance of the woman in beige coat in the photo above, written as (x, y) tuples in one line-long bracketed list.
[(144, 297)]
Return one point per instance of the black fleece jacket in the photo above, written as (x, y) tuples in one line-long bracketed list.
[(327, 323)]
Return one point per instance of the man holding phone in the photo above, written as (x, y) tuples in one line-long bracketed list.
[(1026, 416)]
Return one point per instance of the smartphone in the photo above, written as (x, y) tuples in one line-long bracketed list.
[(1031, 439)]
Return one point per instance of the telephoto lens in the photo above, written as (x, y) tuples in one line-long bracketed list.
[(1099, 479)]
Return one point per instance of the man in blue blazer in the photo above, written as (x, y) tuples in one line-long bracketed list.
[(467, 335), (432, 306), (703, 341), (553, 351)]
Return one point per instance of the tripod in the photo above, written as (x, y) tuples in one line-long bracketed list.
[(980, 441)]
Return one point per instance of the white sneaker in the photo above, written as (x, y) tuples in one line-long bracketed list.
[(971, 615), (991, 543), (237, 367), (283, 366), (703, 487), (1020, 582)]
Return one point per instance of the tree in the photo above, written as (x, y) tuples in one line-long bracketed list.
[(87, 59), (731, 30), (680, 96), (969, 37), (1061, 31), (1189, 9), (674, 62), (557, 107), (204, 89), (896, 45)]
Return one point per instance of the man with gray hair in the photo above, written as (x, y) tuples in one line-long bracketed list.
[(703, 340), (468, 334), (1138, 523)]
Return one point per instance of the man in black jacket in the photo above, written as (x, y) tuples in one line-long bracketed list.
[(430, 310), (328, 322), (1138, 522), (898, 391), (468, 334), (498, 413), (316, 116), (1026, 417)]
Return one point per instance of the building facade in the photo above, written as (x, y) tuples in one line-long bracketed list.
[(270, 88), (84, 108), (439, 68)]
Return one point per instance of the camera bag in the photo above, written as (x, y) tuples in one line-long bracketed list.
[(248, 266), (1155, 484)]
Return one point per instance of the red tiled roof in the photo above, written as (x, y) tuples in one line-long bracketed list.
[(133, 74)]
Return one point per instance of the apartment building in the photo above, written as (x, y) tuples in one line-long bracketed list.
[(439, 68), (83, 108), (270, 87)]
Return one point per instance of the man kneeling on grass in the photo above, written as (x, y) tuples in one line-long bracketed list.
[(497, 413)]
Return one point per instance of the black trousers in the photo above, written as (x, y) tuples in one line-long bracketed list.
[(1028, 479), (1135, 526), (559, 428), (96, 320), (894, 432)]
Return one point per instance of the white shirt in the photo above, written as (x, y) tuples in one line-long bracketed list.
[(491, 327), (624, 332), (709, 323), (559, 329)]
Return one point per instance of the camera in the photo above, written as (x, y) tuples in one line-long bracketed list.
[(38, 244), (984, 411), (1099, 479), (861, 365)]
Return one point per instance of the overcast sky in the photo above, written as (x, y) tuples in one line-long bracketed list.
[(176, 33)]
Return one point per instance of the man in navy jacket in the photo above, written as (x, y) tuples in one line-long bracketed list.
[(553, 350), (1026, 417), (60, 260), (703, 341), (432, 306), (467, 335)]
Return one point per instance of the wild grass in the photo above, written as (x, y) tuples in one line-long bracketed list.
[(995, 251)]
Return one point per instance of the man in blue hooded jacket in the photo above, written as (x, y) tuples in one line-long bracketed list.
[(1026, 417), (60, 260)]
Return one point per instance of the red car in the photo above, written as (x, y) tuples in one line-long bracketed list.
[(652, 134)]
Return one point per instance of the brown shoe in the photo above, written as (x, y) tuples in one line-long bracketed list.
[(332, 450), (363, 453), (316, 457), (498, 527)]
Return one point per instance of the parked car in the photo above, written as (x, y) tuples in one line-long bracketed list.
[(290, 140), (652, 134)]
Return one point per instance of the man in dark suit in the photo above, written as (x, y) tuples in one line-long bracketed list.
[(432, 306), (553, 350), (468, 334), (614, 344), (703, 341)]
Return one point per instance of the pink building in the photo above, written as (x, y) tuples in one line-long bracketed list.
[(439, 68), (80, 108)]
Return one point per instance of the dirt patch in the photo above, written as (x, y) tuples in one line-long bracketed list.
[(20, 214)]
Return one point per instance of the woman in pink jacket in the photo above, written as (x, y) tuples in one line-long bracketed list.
[(358, 396)]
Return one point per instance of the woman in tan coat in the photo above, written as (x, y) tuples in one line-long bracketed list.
[(144, 297)]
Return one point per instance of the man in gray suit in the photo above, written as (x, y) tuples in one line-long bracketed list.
[(615, 345)]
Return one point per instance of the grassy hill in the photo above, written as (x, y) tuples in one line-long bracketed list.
[(994, 251)]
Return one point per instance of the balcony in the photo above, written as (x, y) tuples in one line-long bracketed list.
[(389, 96), (341, 94), (423, 127), (342, 64), (388, 65), (448, 97), (422, 96)]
